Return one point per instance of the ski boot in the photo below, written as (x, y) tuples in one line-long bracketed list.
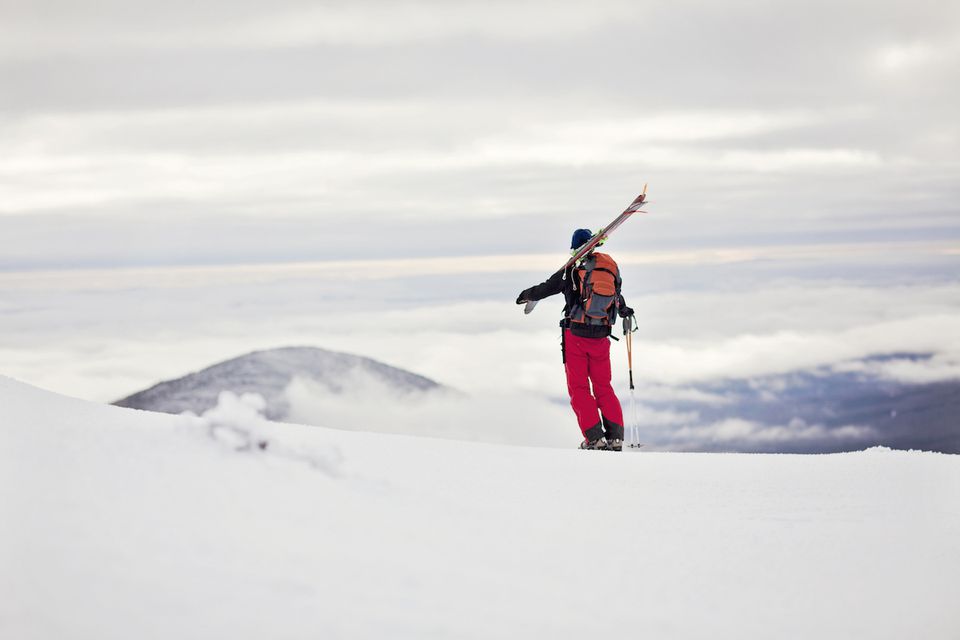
[(593, 438), (613, 433), (600, 444)]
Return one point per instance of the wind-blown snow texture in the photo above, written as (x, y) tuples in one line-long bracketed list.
[(269, 373), (123, 524)]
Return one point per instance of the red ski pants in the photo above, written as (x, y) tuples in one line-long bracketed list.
[(588, 362)]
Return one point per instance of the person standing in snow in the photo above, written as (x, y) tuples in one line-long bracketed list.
[(593, 300)]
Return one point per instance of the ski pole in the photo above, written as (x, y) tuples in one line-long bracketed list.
[(629, 326)]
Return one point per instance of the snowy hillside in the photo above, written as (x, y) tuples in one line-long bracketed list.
[(270, 373), (125, 524)]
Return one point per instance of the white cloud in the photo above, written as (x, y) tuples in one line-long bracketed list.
[(317, 155), (130, 328), (404, 21), (294, 24), (738, 434), (664, 393), (368, 404), (680, 126), (897, 58), (654, 137), (359, 270), (749, 355), (796, 160), (941, 367), (917, 56)]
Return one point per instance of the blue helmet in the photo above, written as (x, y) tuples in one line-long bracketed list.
[(580, 236)]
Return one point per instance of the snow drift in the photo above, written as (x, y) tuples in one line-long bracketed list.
[(120, 524)]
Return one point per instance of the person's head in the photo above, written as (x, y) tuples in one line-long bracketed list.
[(580, 236)]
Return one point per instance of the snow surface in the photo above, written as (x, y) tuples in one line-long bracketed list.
[(125, 524)]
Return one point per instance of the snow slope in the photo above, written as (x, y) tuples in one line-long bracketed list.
[(125, 524)]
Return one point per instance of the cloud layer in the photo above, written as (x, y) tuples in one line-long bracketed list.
[(411, 120), (128, 328)]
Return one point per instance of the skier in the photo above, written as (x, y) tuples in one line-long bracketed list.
[(592, 301)]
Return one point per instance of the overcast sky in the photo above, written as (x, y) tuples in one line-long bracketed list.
[(192, 132)]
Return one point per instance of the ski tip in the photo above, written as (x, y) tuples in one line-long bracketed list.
[(638, 202)]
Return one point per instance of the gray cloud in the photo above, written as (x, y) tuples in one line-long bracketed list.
[(224, 124), (738, 53)]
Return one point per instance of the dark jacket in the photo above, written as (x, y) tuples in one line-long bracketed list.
[(567, 281)]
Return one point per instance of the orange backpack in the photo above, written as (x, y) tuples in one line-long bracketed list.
[(599, 288)]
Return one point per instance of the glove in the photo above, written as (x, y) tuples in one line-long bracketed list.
[(625, 312), (521, 299)]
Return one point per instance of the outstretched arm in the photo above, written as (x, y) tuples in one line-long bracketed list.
[(551, 286)]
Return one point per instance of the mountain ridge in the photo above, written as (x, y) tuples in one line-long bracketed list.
[(269, 372)]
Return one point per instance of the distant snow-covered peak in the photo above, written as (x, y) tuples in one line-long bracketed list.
[(269, 373)]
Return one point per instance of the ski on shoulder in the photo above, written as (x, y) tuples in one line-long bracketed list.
[(599, 238)]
